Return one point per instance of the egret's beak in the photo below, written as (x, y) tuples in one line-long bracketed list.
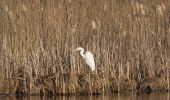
[(76, 50)]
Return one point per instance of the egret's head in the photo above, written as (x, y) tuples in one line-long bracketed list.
[(79, 49)]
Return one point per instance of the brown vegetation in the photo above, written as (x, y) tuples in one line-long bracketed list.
[(130, 40)]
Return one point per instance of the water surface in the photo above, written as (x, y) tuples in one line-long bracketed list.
[(120, 96)]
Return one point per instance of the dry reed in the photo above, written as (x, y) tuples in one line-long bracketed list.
[(130, 40)]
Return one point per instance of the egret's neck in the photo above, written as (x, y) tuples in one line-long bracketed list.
[(82, 53)]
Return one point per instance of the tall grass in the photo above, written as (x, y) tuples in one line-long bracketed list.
[(129, 38)]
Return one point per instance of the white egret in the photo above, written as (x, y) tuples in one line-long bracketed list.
[(88, 57)]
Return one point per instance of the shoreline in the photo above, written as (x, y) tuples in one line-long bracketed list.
[(85, 94)]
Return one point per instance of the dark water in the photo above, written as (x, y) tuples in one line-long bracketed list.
[(120, 96)]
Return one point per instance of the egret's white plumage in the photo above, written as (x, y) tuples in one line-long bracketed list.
[(88, 57)]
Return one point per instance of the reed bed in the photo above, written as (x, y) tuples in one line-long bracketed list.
[(129, 38)]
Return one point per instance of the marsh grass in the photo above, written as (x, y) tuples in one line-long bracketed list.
[(130, 41)]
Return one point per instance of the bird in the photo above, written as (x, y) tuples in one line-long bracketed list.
[(88, 57)]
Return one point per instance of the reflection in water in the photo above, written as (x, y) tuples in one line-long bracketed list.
[(119, 96)]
